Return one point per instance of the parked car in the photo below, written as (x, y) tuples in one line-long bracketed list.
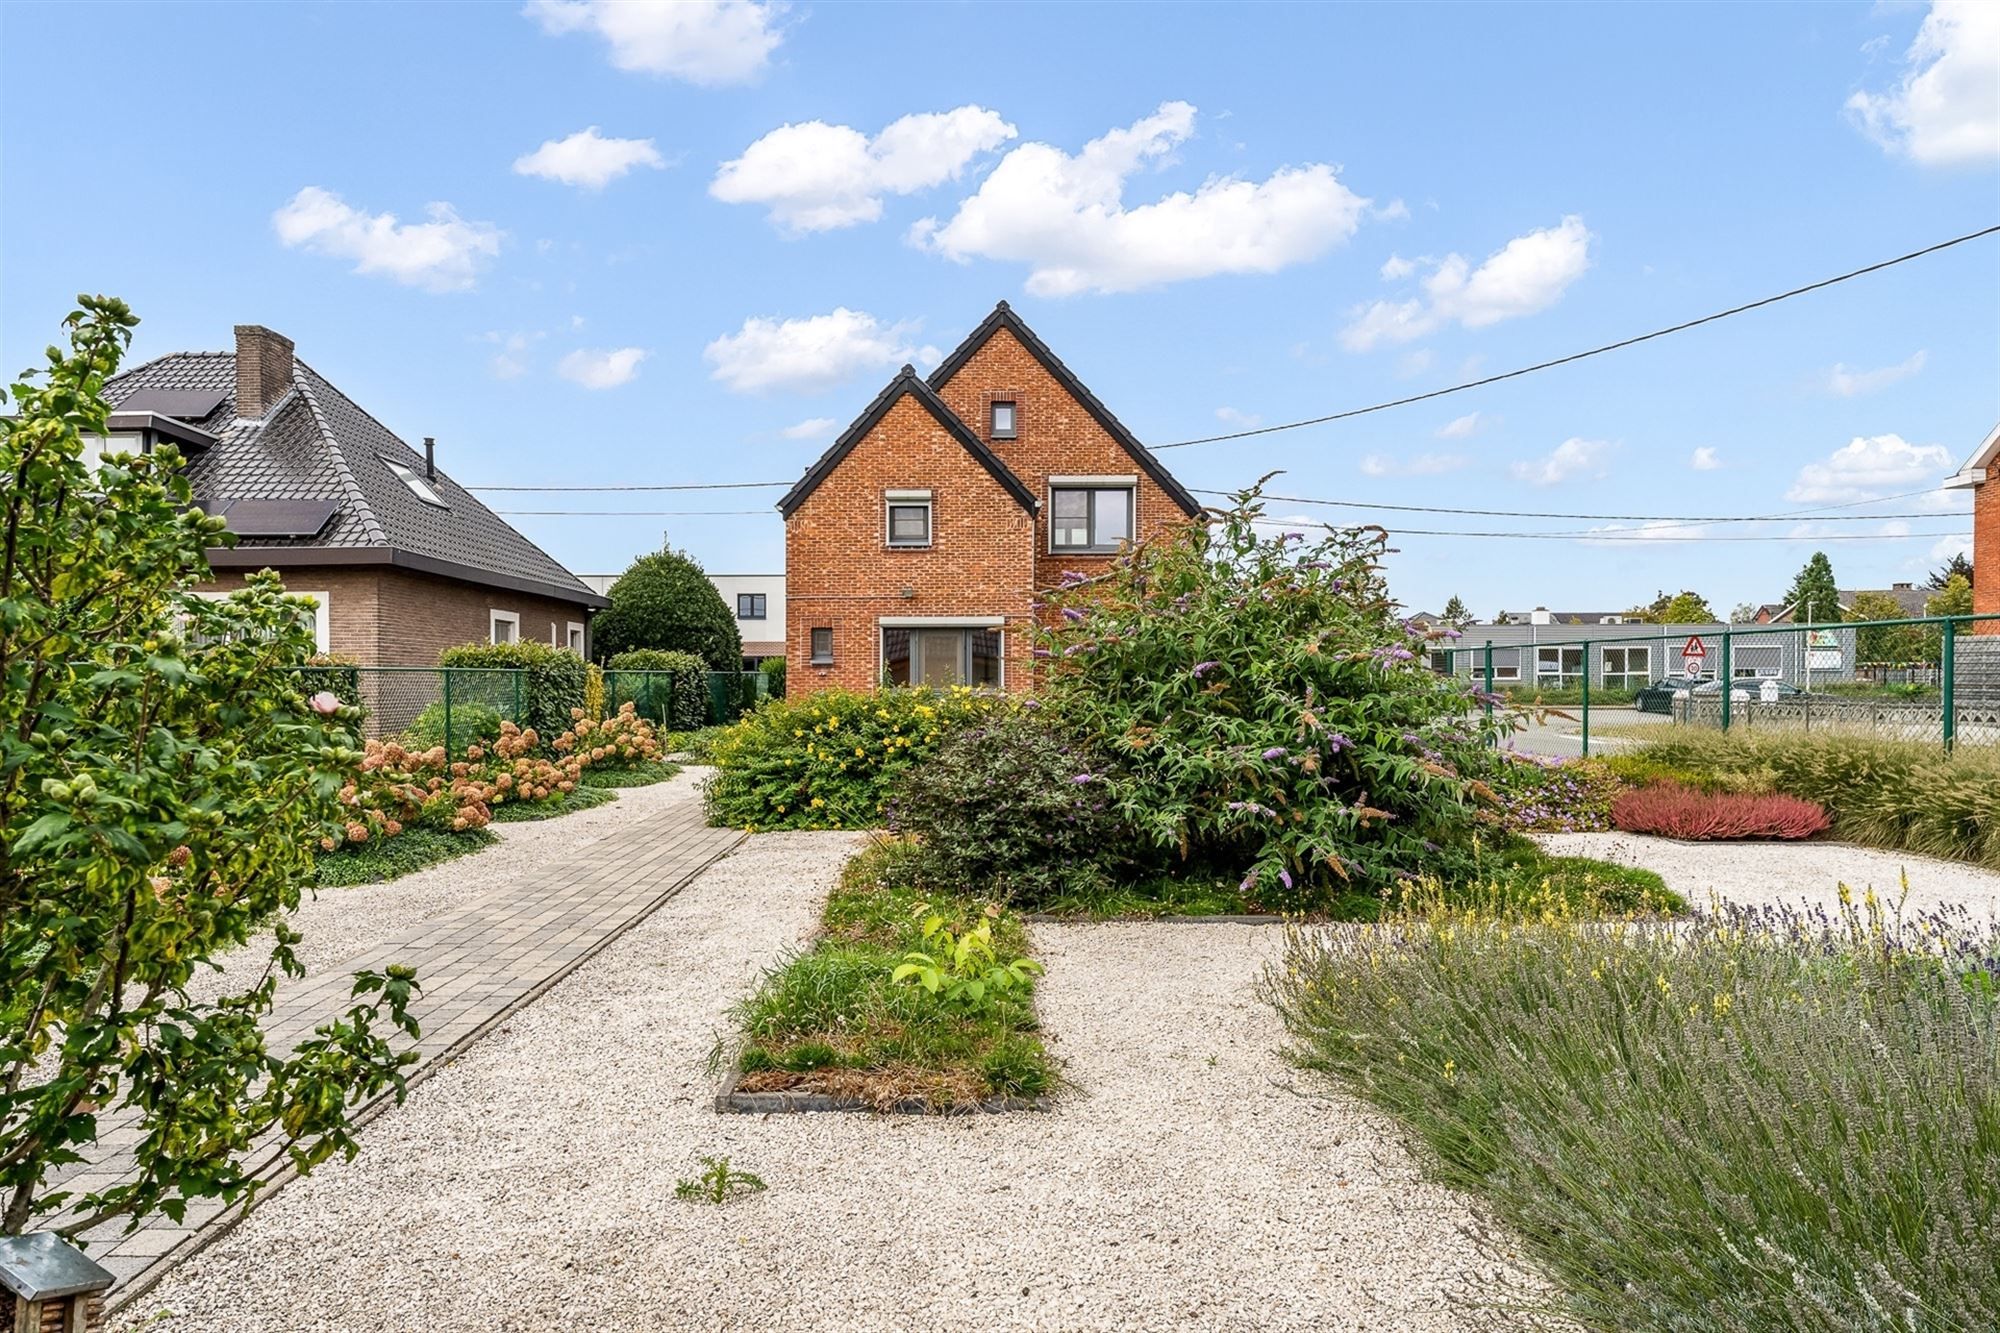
[(1659, 696), (1747, 689)]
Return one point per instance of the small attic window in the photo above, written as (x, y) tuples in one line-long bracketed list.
[(1003, 420), (419, 487)]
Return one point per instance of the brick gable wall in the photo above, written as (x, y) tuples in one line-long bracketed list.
[(840, 572), (1986, 554), (1054, 436), (392, 617)]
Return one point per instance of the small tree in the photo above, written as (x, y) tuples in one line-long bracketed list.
[(1456, 614), (1953, 599), (163, 781), (1684, 608), (665, 601), (1958, 567), (1744, 613), (1813, 598)]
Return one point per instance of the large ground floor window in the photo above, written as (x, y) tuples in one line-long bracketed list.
[(1558, 666), (1628, 668), (943, 656)]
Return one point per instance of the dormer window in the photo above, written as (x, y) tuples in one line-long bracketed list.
[(419, 487), (1002, 420)]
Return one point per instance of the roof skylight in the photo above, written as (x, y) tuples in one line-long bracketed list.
[(419, 487)]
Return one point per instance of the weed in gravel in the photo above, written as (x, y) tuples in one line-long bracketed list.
[(718, 1182)]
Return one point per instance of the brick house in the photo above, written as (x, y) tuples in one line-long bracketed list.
[(403, 562), (914, 547), (1981, 475)]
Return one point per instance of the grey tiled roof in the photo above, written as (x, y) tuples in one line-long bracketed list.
[(318, 444)]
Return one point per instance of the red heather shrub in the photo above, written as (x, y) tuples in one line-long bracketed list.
[(1674, 811)]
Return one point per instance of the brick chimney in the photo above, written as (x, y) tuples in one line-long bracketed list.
[(263, 370)]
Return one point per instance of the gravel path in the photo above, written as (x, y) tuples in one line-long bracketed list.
[(1193, 1180), (1755, 873)]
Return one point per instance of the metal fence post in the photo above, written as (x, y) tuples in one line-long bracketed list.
[(1586, 698), (1728, 680), (1489, 678), (1948, 684), (518, 673), (449, 748)]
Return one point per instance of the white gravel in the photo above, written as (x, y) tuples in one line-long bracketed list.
[(1757, 873), (1191, 1181)]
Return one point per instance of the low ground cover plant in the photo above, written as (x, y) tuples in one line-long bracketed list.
[(1673, 811), (1538, 794), (1901, 795), (854, 1015), (1754, 1120), (831, 761)]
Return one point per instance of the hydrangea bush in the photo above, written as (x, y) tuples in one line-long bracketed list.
[(831, 760), (1271, 716)]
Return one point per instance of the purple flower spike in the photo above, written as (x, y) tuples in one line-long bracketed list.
[(1337, 742), (1071, 613), (1249, 882), (1203, 668), (1275, 752), (1285, 878), (1043, 652), (1082, 778)]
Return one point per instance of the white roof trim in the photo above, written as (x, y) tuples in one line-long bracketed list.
[(1982, 459), (942, 622)]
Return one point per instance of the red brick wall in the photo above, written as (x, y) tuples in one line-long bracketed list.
[(1986, 553), (391, 617), (1054, 436), (841, 573)]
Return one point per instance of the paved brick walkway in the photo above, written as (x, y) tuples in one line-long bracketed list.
[(476, 964)]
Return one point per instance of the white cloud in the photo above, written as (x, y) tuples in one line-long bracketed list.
[(816, 176), (1393, 211), (1574, 457), (813, 428), (511, 361), (588, 159), (815, 352), (708, 42), (1705, 459), (1067, 219), (1947, 547), (1461, 428), (1846, 383), (1419, 465), (1526, 275), (1867, 467), (1395, 268), (1229, 416), (606, 369), (1946, 109), (442, 255)]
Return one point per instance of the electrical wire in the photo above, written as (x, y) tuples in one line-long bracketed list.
[(1817, 514), (1595, 351)]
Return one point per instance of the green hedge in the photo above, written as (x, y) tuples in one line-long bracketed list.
[(687, 675), (774, 672), (554, 683)]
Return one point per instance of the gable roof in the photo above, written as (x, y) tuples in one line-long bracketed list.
[(318, 448), (1003, 317), (1982, 460), (907, 383)]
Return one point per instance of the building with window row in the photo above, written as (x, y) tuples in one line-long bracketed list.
[(1629, 656)]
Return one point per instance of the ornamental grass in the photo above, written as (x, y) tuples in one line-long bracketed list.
[(1754, 1120)]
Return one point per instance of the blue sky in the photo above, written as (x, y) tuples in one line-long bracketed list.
[(1283, 212)]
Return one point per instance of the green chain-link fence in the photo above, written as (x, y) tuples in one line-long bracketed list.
[(426, 706), (725, 696), (1932, 678)]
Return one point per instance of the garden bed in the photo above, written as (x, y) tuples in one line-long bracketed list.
[(628, 775), (382, 859), (836, 1028), (584, 797)]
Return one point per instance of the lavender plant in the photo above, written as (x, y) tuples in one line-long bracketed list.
[(1270, 715), (1755, 1120)]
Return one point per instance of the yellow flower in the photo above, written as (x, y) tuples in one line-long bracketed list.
[(817, 802)]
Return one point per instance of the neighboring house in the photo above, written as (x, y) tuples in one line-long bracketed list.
[(915, 546), (1909, 598), (1980, 470), (758, 601), (402, 561), (1628, 656)]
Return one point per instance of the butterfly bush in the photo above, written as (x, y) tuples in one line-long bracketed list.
[(1272, 717)]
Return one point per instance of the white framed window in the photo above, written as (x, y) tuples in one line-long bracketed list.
[(908, 520), (1559, 665), (322, 615), (575, 638), (419, 486), (1628, 668), (1001, 420), (822, 646), (1090, 514), (503, 627)]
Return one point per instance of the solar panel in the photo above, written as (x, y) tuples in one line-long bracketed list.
[(185, 404), (273, 518)]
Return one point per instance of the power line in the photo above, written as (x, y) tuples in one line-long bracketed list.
[(1595, 351), (1628, 518), (685, 486), (632, 513)]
